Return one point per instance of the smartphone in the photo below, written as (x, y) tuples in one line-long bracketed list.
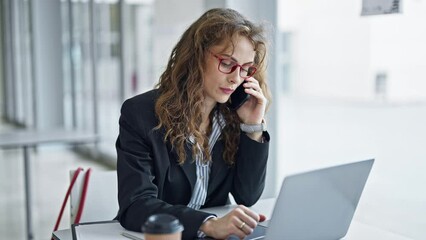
[(238, 97)]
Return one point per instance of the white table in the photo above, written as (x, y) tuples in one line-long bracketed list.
[(357, 230), (26, 139)]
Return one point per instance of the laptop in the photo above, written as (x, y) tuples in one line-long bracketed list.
[(317, 205)]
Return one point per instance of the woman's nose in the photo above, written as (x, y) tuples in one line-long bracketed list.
[(234, 77)]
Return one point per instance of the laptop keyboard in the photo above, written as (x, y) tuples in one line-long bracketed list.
[(264, 223), (258, 233)]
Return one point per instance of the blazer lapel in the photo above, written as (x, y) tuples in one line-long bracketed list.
[(219, 169), (218, 172), (188, 166)]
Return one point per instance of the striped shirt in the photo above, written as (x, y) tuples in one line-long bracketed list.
[(199, 193)]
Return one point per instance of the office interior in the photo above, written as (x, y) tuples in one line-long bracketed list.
[(346, 87)]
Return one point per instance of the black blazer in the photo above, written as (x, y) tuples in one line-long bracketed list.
[(150, 180)]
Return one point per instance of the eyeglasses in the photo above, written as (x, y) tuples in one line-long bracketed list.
[(227, 66)]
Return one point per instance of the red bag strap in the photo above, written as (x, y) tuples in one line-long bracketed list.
[(67, 195), (83, 196)]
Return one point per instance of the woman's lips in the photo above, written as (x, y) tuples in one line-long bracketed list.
[(227, 90)]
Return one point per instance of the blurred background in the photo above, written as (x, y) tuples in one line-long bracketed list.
[(346, 87)]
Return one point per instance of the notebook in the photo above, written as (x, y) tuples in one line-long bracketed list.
[(317, 205)]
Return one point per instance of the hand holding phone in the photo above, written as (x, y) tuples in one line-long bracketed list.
[(238, 97)]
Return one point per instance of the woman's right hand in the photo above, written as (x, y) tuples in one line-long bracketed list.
[(240, 222)]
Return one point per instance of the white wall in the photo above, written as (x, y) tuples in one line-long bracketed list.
[(171, 18), (398, 46), (336, 53)]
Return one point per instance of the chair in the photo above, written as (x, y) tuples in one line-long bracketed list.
[(101, 197)]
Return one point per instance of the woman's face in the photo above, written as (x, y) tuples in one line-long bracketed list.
[(219, 86)]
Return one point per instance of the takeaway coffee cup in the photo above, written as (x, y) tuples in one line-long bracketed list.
[(162, 227)]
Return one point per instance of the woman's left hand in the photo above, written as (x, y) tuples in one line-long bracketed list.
[(253, 111)]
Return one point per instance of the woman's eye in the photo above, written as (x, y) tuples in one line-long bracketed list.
[(248, 69), (227, 63)]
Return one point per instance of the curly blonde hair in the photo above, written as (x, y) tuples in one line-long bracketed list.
[(180, 104)]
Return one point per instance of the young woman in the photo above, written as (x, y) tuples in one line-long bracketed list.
[(180, 146)]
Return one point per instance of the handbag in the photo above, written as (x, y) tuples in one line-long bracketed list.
[(82, 196)]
